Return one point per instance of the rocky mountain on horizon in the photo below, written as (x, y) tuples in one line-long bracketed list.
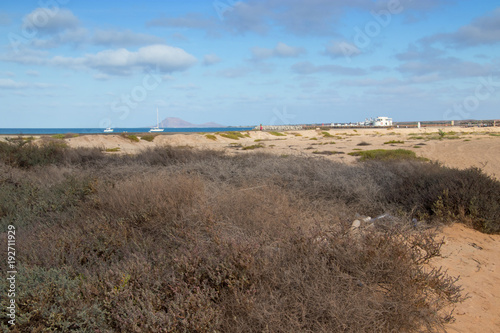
[(173, 122)]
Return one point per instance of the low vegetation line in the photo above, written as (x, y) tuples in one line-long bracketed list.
[(186, 240)]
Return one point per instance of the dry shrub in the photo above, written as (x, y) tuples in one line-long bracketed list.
[(431, 190), (186, 241)]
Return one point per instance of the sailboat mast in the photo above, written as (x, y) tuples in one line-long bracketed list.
[(157, 120)]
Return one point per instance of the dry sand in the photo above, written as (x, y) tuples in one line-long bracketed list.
[(478, 147), (473, 256)]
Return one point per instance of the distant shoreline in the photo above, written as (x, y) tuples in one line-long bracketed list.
[(119, 130)]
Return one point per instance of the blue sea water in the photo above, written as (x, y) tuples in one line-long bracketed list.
[(40, 131)]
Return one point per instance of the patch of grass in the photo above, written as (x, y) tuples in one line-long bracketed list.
[(296, 134), (131, 137), (327, 152), (253, 147), (393, 142), (211, 137), (148, 137), (417, 146), (382, 154), (313, 139), (277, 134), (364, 143), (327, 135), (357, 149), (232, 135), (494, 134), (112, 150), (61, 136)]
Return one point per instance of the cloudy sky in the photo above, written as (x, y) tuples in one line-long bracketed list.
[(69, 63)]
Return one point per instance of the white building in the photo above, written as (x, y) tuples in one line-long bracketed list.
[(381, 122)]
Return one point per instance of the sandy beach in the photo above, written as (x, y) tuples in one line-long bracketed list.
[(459, 148), (473, 256)]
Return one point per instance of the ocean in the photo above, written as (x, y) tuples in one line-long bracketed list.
[(41, 131)]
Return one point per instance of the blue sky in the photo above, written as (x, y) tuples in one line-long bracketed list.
[(68, 63)]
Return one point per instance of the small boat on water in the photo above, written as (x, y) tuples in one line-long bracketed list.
[(108, 130), (157, 127)]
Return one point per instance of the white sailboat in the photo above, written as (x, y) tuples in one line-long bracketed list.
[(108, 130), (157, 127)]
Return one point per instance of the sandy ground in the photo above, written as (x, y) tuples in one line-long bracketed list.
[(473, 256), (477, 147)]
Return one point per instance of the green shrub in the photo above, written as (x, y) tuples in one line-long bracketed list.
[(277, 134), (393, 142), (253, 147), (26, 154), (113, 150), (364, 143), (131, 137), (148, 137), (326, 152), (327, 135), (232, 135), (431, 190), (211, 137), (382, 154)]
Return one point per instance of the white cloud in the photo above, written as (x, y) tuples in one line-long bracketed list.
[(210, 59), (48, 21), (305, 68), (189, 86), (101, 77), (338, 49), (280, 50), (123, 38), (122, 61), (11, 84), (484, 30), (5, 19), (32, 73)]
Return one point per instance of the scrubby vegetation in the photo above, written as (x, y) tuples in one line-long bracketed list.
[(131, 137), (383, 154), (327, 135), (393, 142), (148, 137), (211, 137), (186, 240), (231, 135), (259, 145), (277, 134), (62, 136)]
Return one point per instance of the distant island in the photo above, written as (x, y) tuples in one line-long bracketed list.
[(173, 122)]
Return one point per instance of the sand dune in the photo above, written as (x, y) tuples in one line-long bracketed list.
[(473, 256)]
